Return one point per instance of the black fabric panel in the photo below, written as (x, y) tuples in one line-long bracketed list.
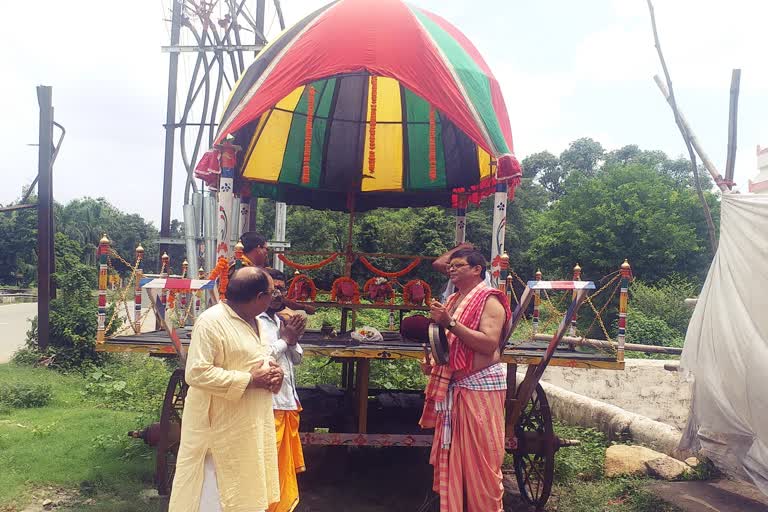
[(320, 199), (346, 140), (266, 57), (462, 168)]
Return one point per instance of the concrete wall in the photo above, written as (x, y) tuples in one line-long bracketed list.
[(644, 388)]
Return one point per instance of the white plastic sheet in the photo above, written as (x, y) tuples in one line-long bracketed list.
[(726, 346)]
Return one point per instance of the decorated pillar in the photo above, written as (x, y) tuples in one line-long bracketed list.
[(199, 293), (626, 276), (536, 304), (461, 223), (137, 290), (102, 315), (245, 211), (281, 211), (185, 296), (239, 247), (576, 277), (499, 229), (224, 225), (504, 266), (164, 271)]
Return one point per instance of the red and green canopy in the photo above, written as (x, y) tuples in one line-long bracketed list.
[(373, 97)]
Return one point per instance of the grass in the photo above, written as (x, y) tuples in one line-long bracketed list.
[(71, 443), (617, 495), (75, 451)]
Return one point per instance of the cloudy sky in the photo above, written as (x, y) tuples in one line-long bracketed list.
[(567, 69)]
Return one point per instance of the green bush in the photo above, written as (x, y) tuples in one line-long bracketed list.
[(73, 320), (25, 395), (645, 329), (128, 382), (664, 300)]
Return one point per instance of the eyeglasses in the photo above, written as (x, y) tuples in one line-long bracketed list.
[(277, 293), (454, 266)]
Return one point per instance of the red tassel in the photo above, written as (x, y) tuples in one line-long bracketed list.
[(372, 126), (308, 135), (432, 148)]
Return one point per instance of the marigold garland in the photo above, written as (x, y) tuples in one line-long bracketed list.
[(335, 285), (412, 265), (311, 266), (221, 271), (246, 261), (372, 125), (308, 135), (390, 292), (407, 292), (293, 294), (432, 147)]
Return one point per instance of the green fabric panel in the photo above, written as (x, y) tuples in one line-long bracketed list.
[(265, 190), (417, 114), (471, 76), (293, 159)]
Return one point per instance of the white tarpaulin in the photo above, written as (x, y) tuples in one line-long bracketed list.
[(726, 347)]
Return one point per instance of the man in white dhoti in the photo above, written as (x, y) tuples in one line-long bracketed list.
[(228, 458)]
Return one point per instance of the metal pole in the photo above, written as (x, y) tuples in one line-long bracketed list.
[(170, 125), (44, 211)]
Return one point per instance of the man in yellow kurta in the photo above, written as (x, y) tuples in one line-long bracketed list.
[(228, 425)]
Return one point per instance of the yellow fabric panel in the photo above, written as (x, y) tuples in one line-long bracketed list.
[(388, 170), (265, 160), (484, 159)]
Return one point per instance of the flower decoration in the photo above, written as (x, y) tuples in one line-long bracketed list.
[(345, 291), (417, 292)]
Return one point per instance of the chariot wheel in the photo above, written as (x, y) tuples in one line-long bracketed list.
[(170, 432), (534, 457)]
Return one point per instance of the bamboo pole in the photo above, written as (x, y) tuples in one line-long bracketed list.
[(692, 137), (733, 116), (612, 345)]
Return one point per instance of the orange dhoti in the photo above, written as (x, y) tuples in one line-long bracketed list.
[(468, 474), (290, 460)]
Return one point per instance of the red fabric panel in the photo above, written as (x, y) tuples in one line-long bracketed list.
[(381, 37)]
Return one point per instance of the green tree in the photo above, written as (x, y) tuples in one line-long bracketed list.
[(545, 169), (584, 156), (631, 211)]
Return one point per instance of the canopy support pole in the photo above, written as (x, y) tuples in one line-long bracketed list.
[(349, 256), (499, 230)]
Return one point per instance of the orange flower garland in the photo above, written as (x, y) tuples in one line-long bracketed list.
[(293, 294), (311, 266), (407, 291), (308, 135), (432, 147), (372, 126), (390, 291), (391, 275), (221, 271), (339, 281)]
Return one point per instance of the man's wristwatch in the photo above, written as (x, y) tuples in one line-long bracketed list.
[(451, 324)]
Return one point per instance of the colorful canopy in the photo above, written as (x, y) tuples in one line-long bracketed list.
[(374, 97)]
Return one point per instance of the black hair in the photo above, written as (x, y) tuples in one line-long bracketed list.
[(276, 275), (252, 240), (473, 257), (246, 284)]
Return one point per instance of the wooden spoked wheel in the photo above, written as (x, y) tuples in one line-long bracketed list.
[(170, 432), (535, 454)]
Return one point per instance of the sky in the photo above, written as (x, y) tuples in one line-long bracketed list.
[(567, 70)]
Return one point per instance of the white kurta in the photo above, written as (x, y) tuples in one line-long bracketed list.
[(236, 425)]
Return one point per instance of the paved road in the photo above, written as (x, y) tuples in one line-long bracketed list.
[(13, 327), (712, 496)]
